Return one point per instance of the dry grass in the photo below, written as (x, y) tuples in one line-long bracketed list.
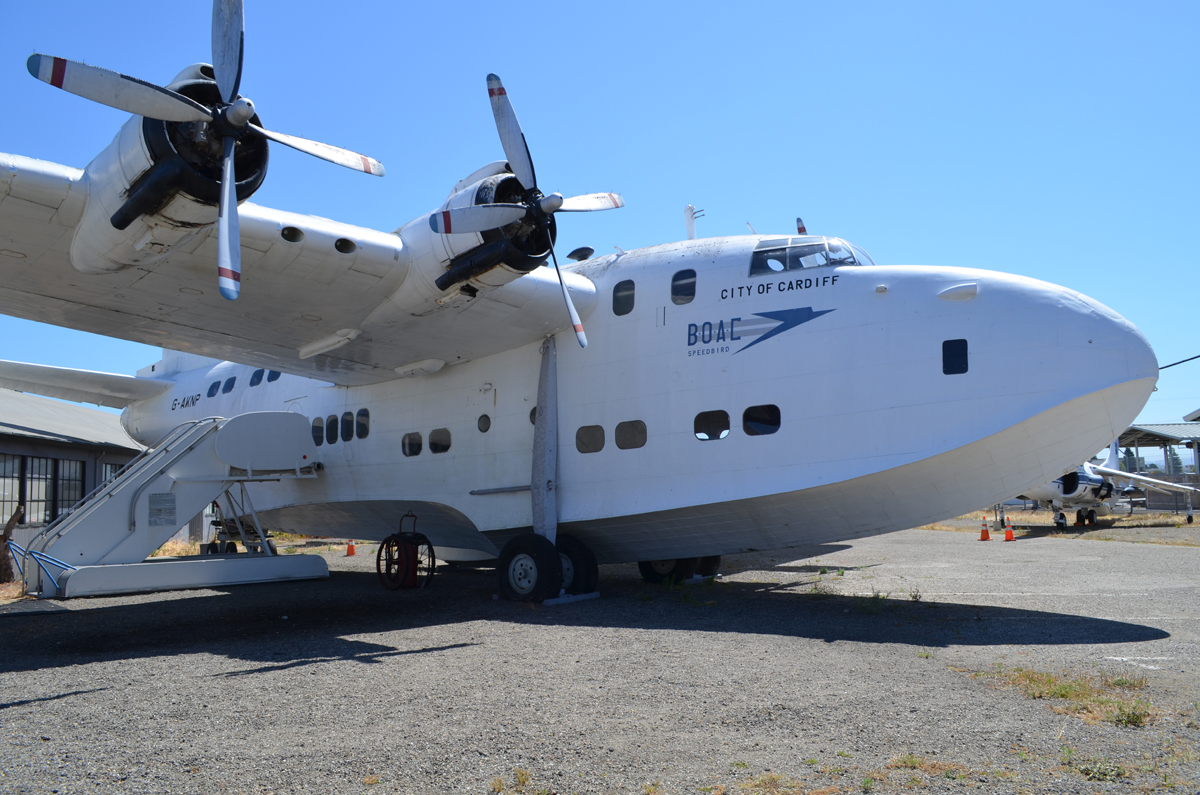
[(10, 592), (1092, 699), (924, 765), (771, 784), (177, 549)]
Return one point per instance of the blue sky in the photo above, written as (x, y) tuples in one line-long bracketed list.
[(1052, 140)]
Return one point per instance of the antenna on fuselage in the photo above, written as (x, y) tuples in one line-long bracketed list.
[(753, 231), (690, 214)]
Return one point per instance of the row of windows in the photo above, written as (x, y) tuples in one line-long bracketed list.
[(351, 425), (47, 487), (255, 379), (439, 441), (683, 290), (708, 426)]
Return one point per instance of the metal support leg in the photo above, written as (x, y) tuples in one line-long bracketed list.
[(544, 483), (262, 536)]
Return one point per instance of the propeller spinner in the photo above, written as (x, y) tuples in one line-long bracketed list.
[(229, 120), (536, 206)]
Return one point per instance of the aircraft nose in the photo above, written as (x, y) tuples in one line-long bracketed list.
[(1105, 340)]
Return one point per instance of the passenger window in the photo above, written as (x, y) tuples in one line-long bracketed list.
[(318, 431), (954, 357), (760, 420), (213, 387), (631, 435), (623, 297), (485, 423), (439, 440), (225, 390), (256, 377), (589, 439), (331, 428), (410, 445), (347, 426), (273, 375), (362, 424), (533, 416), (683, 287), (711, 425)]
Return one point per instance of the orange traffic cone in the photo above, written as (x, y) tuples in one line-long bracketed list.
[(983, 533), (1008, 533), (350, 549)]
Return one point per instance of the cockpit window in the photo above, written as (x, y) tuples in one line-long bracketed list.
[(776, 255)]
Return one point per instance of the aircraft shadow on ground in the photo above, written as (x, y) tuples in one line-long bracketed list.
[(326, 619)]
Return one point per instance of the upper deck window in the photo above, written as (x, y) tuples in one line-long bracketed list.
[(683, 287), (256, 378), (776, 255), (623, 297)]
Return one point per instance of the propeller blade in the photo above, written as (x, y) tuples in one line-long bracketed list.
[(592, 202), (575, 321), (511, 137), (116, 90), (229, 242), (334, 154), (476, 219), (228, 46)]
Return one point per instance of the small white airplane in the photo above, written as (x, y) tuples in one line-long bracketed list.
[(735, 393), (1091, 489)]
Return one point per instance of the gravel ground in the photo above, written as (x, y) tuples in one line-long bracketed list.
[(778, 678)]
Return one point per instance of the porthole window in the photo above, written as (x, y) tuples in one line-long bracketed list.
[(347, 426), (623, 297), (229, 382), (331, 428), (485, 423), (760, 420), (318, 431), (589, 439), (362, 424), (711, 425), (213, 387), (410, 445), (439, 440), (631, 435), (256, 377), (683, 287), (533, 416), (273, 375), (954, 357)]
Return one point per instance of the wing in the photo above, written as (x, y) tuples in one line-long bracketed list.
[(1145, 482), (82, 386), (319, 298)]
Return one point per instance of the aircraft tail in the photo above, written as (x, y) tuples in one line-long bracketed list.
[(81, 386), (1114, 457)]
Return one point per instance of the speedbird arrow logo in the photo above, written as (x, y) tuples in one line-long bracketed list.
[(788, 319)]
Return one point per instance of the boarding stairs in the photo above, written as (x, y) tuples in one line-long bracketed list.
[(102, 545)]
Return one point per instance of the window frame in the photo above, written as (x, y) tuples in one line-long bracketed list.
[(412, 444), (444, 448), (589, 438), (681, 299), (620, 436), (756, 429), (631, 292), (713, 414)]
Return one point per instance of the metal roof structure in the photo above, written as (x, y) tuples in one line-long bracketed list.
[(43, 419), (1160, 434)]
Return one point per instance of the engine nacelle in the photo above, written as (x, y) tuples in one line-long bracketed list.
[(157, 185), (478, 262)]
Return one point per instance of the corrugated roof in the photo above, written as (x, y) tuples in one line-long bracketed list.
[(37, 417), (1160, 433)]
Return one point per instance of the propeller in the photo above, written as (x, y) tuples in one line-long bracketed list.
[(537, 207), (229, 120)]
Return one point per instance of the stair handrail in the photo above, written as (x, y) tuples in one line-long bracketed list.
[(167, 439)]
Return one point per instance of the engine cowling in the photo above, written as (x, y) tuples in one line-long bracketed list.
[(157, 185), (476, 262)]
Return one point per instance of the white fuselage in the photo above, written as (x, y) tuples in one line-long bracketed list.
[(873, 435)]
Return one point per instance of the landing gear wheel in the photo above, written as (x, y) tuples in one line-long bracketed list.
[(230, 547), (1189, 518), (1079, 518), (658, 571), (579, 569), (1060, 521), (392, 562), (214, 548), (1091, 518), (530, 569), (708, 566)]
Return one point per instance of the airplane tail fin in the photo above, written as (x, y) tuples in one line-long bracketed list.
[(1114, 457)]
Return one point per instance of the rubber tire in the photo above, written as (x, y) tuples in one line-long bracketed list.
[(1189, 519), (230, 547), (392, 563), (581, 560), (532, 563), (1091, 518), (1060, 521), (1079, 518), (708, 566), (214, 548), (658, 571), (426, 563)]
